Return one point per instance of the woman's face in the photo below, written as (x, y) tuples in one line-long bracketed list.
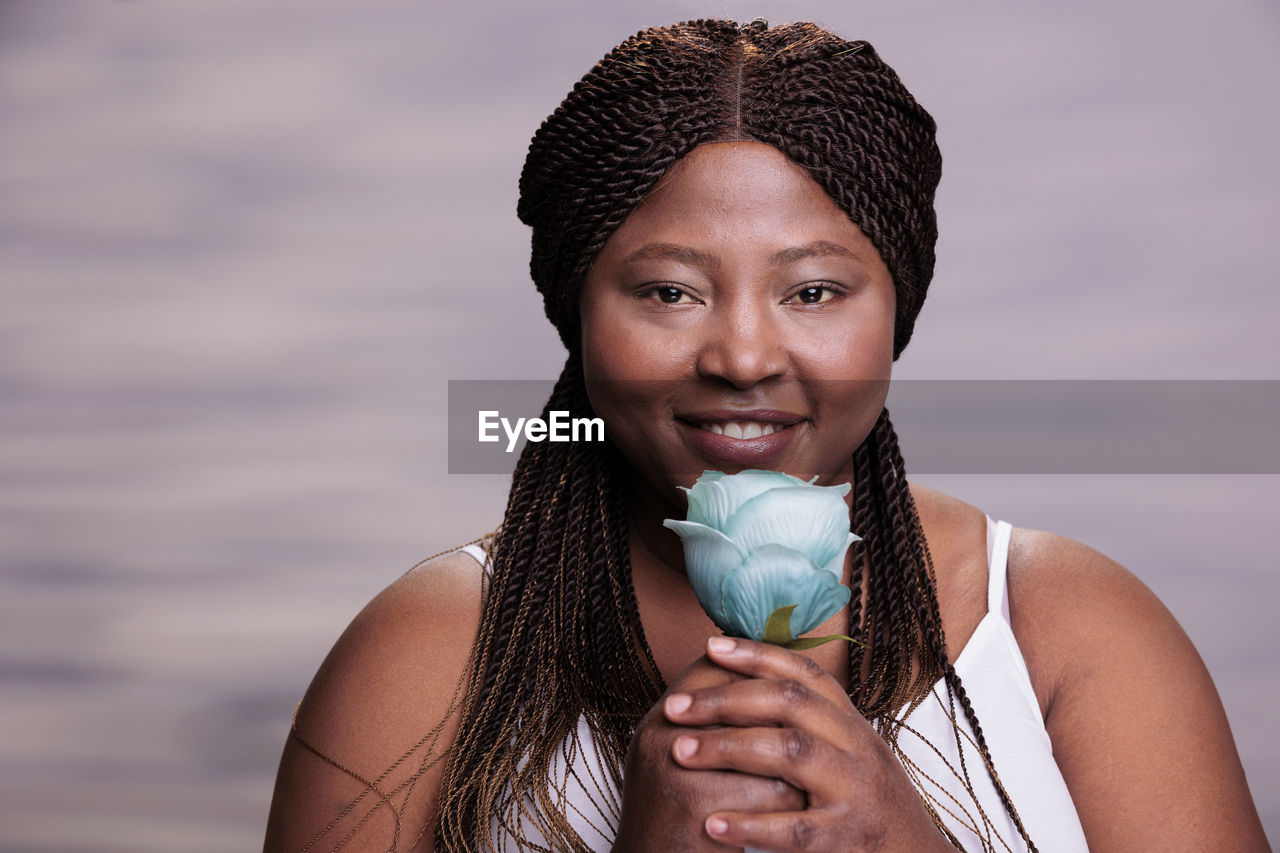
[(737, 319)]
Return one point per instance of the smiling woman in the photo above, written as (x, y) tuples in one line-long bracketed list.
[(733, 234), (740, 271)]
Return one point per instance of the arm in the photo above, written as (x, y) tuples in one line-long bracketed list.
[(1137, 727), (391, 679)]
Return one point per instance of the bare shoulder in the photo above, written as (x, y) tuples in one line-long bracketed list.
[(1069, 601), (409, 643), (1137, 727), (381, 713), (931, 502)]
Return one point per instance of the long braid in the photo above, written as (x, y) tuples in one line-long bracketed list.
[(556, 638), (560, 634), (882, 697), (859, 576)]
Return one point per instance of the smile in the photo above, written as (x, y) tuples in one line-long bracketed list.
[(742, 429), (743, 439)]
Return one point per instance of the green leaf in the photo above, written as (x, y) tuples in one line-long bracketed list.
[(803, 643), (778, 629)]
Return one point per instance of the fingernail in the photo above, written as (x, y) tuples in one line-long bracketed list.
[(717, 826), (685, 747), (721, 645), (679, 703)]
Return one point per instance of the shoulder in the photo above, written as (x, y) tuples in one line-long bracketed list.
[(414, 636), (1136, 724), (1074, 609), (382, 710)]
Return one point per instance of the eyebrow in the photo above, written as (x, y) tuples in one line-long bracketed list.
[(672, 252), (699, 258), (816, 249)]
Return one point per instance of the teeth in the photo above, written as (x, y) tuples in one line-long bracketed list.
[(742, 429)]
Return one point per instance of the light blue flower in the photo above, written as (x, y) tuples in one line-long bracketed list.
[(759, 541)]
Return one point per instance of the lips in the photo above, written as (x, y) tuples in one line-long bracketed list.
[(752, 438)]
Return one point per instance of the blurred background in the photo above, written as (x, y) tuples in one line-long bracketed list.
[(244, 245)]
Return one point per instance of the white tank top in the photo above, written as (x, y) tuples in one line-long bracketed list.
[(995, 677)]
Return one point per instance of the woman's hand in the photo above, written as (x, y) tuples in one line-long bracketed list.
[(791, 721), (664, 805)]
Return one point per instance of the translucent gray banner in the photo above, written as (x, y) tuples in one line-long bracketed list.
[(1039, 426)]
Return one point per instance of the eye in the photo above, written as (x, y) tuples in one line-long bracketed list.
[(665, 293), (812, 294)]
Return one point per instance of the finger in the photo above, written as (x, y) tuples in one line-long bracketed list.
[(793, 755), (703, 672), (727, 790), (765, 660), (782, 832), (767, 702)]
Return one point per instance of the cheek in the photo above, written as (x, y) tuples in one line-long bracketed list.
[(872, 344), (621, 351), (623, 367), (858, 350)]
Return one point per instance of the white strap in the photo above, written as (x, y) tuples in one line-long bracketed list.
[(477, 553), (997, 567)]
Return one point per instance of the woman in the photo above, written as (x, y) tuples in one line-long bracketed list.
[(733, 233)]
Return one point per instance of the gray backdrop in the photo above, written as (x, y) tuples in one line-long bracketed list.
[(245, 244)]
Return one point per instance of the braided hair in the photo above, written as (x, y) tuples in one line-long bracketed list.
[(560, 636)]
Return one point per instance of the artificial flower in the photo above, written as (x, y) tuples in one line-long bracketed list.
[(764, 552)]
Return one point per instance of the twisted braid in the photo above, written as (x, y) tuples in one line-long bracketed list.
[(557, 637), (898, 560), (560, 635)]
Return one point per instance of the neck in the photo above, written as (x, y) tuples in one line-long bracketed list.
[(653, 547)]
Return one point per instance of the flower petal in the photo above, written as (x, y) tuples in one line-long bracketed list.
[(775, 576), (811, 519), (836, 564), (697, 495), (709, 557), (715, 497)]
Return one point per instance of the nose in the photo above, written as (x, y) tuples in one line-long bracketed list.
[(742, 347)]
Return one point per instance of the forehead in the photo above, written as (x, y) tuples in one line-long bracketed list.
[(746, 193), (723, 173)]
